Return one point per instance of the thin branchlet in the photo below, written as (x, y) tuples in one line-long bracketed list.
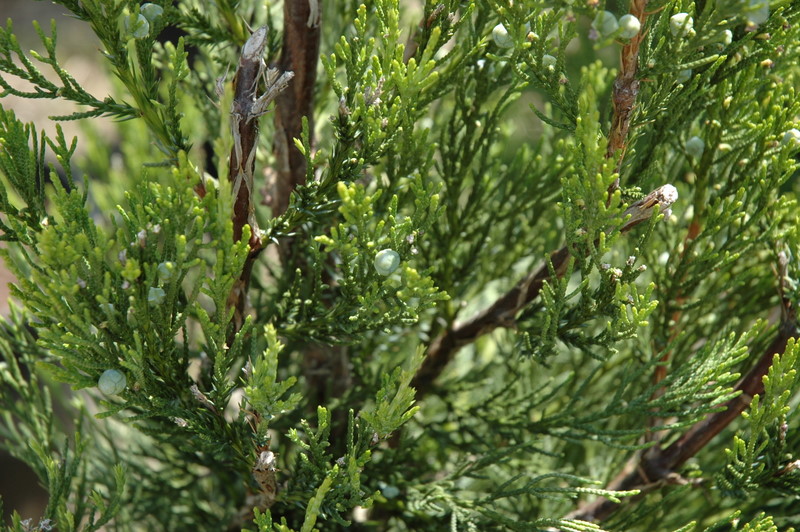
[(503, 311)]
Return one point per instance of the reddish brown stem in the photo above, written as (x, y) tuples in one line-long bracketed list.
[(244, 123), (500, 314), (247, 107), (503, 311), (657, 464), (626, 89), (300, 53)]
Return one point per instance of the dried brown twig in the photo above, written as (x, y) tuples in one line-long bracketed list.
[(248, 106)]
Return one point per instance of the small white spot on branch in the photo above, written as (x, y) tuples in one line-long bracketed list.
[(313, 14)]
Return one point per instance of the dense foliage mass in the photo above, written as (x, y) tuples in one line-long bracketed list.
[(466, 265)]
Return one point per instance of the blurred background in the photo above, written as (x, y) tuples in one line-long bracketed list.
[(19, 487)]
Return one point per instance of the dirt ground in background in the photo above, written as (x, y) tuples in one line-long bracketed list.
[(78, 53)]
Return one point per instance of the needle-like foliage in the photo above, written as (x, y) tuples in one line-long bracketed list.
[(465, 265)]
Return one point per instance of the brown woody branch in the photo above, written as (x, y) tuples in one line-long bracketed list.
[(251, 100), (299, 54), (503, 311), (247, 107), (626, 89), (326, 367), (657, 465)]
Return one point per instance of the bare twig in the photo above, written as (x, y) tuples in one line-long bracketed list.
[(503, 311)]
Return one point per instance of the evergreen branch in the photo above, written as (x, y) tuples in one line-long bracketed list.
[(299, 54), (425, 192), (658, 465), (69, 89), (760, 457), (25, 170), (503, 311)]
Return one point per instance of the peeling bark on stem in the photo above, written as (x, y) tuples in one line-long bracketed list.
[(626, 89), (247, 107)]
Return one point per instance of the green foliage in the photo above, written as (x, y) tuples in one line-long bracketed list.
[(395, 299), (59, 462), (262, 390), (761, 458), (453, 147), (393, 403), (22, 160)]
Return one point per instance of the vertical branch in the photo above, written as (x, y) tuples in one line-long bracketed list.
[(248, 106), (246, 109), (626, 89), (300, 54), (245, 135)]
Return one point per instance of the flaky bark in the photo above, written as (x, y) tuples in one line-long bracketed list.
[(625, 92), (247, 107)]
